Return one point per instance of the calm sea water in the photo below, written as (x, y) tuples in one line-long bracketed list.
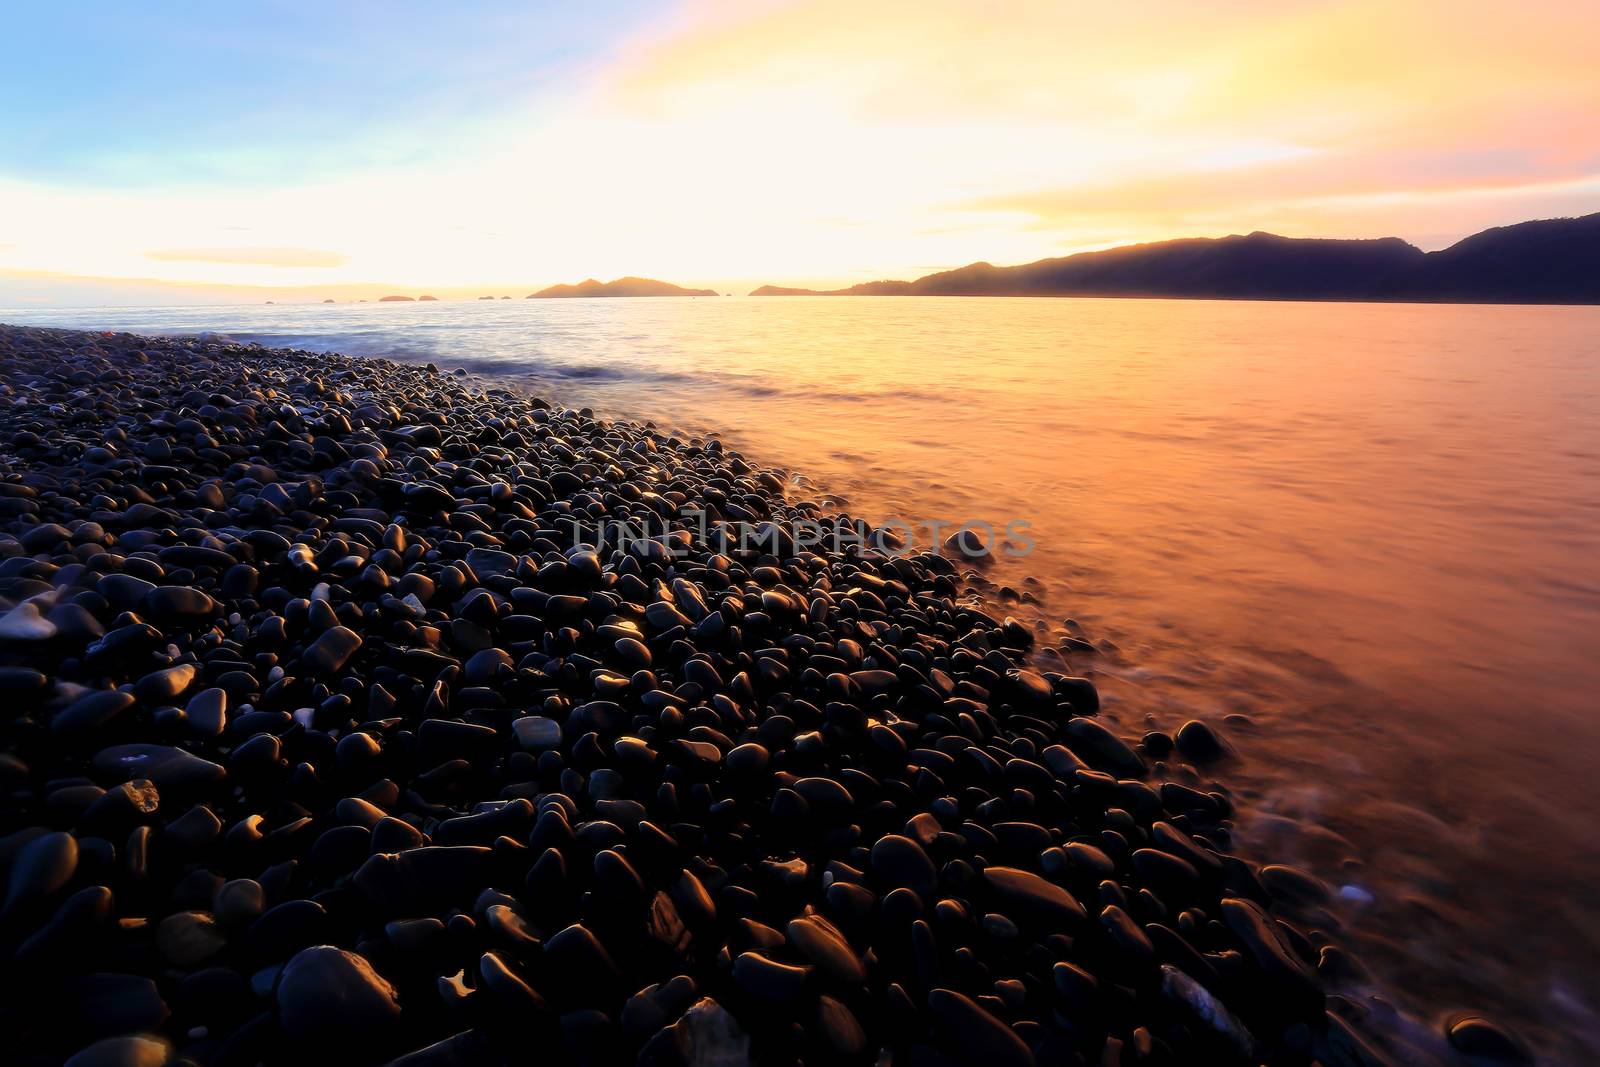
[(1371, 530)]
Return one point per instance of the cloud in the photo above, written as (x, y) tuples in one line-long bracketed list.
[(1090, 124), (1330, 194), (258, 256)]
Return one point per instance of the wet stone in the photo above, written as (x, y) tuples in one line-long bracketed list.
[(584, 960), (535, 733), (127, 1050), (39, 868), (92, 712), (24, 624), (1102, 749), (706, 1034), (1273, 954), (164, 686), (331, 651), (207, 711), (171, 602), (767, 979), (899, 861), (331, 994), (112, 1002), (164, 765), (238, 902), (189, 938), (1198, 742), (820, 942), (1476, 1036), (1028, 898), (977, 1035)]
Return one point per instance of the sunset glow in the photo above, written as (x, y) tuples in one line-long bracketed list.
[(814, 143)]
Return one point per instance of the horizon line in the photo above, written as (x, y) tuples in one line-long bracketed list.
[(339, 292)]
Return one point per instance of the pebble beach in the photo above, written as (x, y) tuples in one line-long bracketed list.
[(340, 726)]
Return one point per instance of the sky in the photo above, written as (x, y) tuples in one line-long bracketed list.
[(174, 152)]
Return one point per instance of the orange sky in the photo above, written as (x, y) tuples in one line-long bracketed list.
[(829, 142)]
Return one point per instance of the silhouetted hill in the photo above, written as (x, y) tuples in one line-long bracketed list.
[(1554, 261), (620, 287), (1548, 261)]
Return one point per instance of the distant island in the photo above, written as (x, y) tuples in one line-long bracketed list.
[(396, 299), (620, 287), (1550, 261), (854, 290)]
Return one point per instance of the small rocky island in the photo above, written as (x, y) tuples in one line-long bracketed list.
[(629, 286)]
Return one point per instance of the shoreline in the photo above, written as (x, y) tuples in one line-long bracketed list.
[(652, 765)]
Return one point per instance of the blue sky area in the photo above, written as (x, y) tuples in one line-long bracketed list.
[(165, 94)]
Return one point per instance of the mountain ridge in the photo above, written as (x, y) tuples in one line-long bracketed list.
[(1543, 261)]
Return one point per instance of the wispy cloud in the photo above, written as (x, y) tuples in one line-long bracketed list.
[(256, 257), (1332, 195)]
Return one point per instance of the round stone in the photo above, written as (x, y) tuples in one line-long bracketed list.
[(189, 938), (327, 993), (535, 733)]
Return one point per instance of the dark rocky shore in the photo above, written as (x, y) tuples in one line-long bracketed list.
[(327, 739)]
